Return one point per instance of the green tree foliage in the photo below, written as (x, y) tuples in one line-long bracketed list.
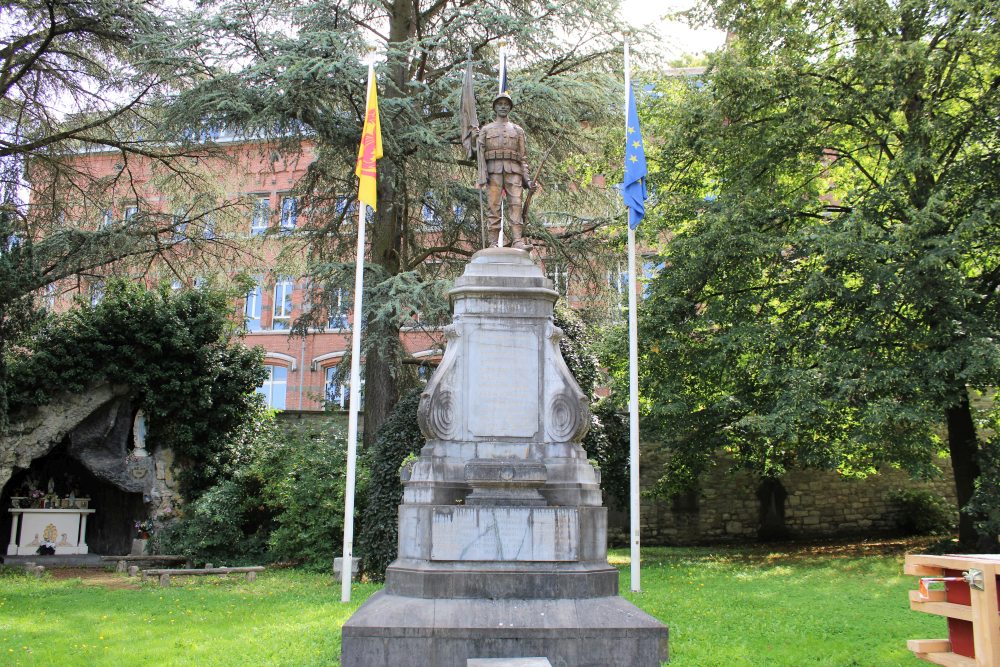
[(177, 353), (78, 79), (294, 69), (606, 442), (830, 186)]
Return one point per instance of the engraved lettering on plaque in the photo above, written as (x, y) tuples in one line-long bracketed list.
[(503, 383)]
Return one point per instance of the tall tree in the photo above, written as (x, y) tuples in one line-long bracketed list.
[(76, 79), (295, 69), (831, 188)]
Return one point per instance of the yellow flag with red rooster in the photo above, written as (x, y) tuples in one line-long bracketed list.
[(371, 146)]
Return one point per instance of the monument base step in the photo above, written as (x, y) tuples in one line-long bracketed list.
[(492, 581), (396, 631)]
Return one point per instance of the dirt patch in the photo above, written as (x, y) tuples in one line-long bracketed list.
[(94, 577)]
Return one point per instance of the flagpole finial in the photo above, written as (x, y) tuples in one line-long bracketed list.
[(369, 57)]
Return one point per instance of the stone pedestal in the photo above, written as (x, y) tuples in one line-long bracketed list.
[(502, 536)]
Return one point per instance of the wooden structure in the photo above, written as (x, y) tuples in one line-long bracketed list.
[(165, 575), (122, 563), (963, 589)]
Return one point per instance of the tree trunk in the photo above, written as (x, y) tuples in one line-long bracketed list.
[(963, 448), (381, 382), (381, 378)]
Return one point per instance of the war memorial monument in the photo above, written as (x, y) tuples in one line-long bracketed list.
[(502, 533)]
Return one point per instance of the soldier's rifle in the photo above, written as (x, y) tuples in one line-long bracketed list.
[(534, 181)]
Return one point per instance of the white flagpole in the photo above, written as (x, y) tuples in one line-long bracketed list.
[(347, 564), (633, 376)]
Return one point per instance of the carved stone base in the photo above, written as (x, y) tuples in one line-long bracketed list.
[(505, 533), (395, 631)]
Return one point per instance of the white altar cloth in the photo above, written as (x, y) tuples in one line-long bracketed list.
[(65, 529)]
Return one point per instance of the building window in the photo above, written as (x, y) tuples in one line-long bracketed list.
[(289, 213), (253, 307), (337, 318), (209, 232), (428, 216), (50, 296), (131, 212), (650, 269), (107, 218), (559, 275), (282, 315), (96, 293), (180, 223), (261, 215), (337, 389), (618, 280), (274, 387)]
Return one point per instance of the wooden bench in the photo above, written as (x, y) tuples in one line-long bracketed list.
[(165, 574), (123, 562)]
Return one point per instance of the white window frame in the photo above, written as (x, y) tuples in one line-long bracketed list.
[(337, 310), (253, 307), (269, 388), (289, 210), (282, 306), (261, 215), (342, 396)]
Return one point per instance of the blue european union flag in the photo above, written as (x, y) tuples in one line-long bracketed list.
[(634, 187)]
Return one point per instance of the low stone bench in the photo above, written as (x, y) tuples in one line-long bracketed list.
[(122, 563), (165, 575)]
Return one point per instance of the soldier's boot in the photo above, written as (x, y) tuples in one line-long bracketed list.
[(518, 238), (492, 237)]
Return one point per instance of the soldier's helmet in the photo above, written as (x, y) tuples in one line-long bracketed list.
[(503, 96)]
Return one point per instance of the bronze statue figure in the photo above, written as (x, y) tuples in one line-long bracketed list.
[(502, 167)]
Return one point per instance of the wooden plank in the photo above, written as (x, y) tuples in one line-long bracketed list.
[(932, 596), (947, 659), (155, 572), (929, 645), (146, 557), (922, 570), (985, 624), (949, 609), (951, 562)]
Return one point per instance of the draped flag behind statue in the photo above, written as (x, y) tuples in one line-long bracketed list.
[(634, 185), (371, 146)]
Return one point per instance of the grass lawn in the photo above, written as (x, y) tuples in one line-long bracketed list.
[(837, 606)]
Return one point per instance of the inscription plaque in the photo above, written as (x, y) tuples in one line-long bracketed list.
[(504, 534), (503, 382)]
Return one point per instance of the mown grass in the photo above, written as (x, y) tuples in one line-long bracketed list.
[(725, 607)]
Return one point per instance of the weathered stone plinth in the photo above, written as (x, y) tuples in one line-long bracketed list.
[(414, 632), (502, 536)]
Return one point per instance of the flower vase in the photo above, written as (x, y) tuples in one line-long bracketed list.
[(139, 545)]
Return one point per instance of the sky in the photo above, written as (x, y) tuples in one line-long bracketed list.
[(676, 38)]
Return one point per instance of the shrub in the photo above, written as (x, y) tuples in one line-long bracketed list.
[(279, 497), (607, 443), (302, 474), (922, 512), (399, 438)]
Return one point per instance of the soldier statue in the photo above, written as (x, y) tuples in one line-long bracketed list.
[(502, 167)]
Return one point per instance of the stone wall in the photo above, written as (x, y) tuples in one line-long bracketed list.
[(726, 507)]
